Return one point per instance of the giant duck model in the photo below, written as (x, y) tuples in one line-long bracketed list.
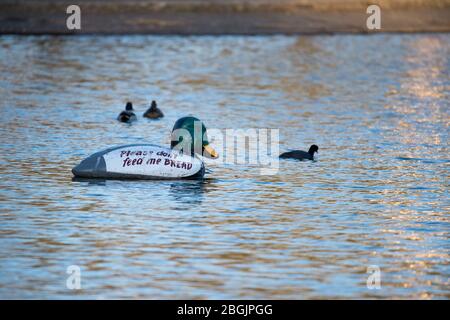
[(149, 161)]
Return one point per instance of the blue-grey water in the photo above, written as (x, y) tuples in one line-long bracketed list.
[(377, 106)]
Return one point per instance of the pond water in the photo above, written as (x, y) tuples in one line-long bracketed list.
[(377, 106)]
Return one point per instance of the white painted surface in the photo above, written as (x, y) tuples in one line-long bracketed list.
[(151, 161)]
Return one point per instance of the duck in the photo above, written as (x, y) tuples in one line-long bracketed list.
[(300, 154), (127, 115), (153, 112), (182, 160)]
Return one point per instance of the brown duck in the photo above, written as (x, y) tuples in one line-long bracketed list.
[(153, 112)]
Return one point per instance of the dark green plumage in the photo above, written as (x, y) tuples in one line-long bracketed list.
[(189, 136)]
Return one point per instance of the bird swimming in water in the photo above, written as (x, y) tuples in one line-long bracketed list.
[(153, 112), (300, 154), (127, 115)]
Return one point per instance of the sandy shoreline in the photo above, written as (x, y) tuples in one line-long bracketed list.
[(223, 17)]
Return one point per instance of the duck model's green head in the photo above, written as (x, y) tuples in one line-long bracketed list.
[(189, 137)]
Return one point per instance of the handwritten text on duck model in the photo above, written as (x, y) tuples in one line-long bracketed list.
[(226, 309), (141, 154)]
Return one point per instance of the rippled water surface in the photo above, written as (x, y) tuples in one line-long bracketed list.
[(377, 106)]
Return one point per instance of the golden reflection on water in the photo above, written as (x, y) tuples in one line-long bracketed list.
[(426, 80)]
